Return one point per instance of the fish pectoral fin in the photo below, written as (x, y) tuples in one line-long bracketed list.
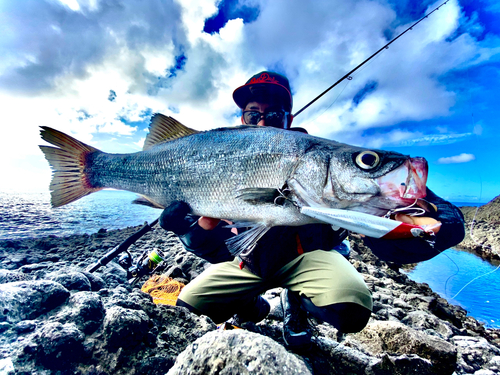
[(246, 241), (145, 201), (258, 195), (305, 199), (163, 129)]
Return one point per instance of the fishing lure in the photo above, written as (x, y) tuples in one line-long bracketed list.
[(369, 225)]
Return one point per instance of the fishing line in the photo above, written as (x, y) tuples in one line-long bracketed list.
[(369, 58), (452, 276), (471, 233), (474, 279), (326, 109), (349, 79)]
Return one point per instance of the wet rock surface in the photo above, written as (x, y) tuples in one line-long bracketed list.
[(485, 224), (59, 319)]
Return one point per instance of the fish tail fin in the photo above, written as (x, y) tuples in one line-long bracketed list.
[(68, 161)]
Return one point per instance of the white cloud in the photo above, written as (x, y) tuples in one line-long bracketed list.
[(462, 158), (58, 70), (394, 137), (435, 139), (72, 4)]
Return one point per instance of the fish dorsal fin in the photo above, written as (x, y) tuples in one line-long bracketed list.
[(165, 128)]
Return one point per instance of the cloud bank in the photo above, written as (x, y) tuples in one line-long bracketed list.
[(98, 69)]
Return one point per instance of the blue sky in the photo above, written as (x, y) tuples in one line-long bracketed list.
[(98, 69)]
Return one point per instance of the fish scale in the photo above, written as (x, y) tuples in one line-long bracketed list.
[(166, 173)]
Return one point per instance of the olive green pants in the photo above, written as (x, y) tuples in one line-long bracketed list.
[(325, 277)]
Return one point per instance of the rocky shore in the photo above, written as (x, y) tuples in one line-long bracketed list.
[(59, 319), (485, 225)]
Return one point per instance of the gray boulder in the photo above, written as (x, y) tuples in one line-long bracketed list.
[(7, 276), (476, 353), (399, 339), (29, 299), (85, 309), (421, 320), (125, 327), (71, 280), (56, 346), (236, 352)]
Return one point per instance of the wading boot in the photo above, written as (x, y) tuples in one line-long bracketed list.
[(296, 330)]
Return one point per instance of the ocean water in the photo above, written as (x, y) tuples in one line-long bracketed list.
[(470, 204), (24, 215), (450, 274)]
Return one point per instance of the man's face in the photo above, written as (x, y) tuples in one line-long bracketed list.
[(263, 109)]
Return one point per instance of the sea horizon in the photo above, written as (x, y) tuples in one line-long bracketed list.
[(30, 215)]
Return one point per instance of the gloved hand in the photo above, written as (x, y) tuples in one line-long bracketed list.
[(175, 218)]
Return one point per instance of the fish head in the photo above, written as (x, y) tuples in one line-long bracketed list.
[(373, 181)]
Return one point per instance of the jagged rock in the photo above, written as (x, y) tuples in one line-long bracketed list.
[(57, 346), (7, 276), (485, 239), (25, 326), (177, 328), (39, 270), (485, 372), (113, 275), (85, 309), (29, 299), (427, 322), (475, 353), (96, 282), (328, 357), (5, 326), (71, 280), (236, 352), (46, 243), (494, 364), (394, 337), (404, 364), (125, 327)]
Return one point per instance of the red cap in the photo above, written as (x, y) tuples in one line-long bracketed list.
[(267, 83)]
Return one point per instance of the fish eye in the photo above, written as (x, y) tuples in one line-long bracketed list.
[(367, 160)]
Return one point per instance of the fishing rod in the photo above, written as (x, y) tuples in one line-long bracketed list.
[(348, 75), (148, 262)]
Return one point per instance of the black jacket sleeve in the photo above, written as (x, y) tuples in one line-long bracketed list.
[(208, 244), (451, 233)]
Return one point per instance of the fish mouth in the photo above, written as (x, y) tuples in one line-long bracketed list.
[(407, 182)]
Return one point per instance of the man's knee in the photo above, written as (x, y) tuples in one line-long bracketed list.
[(347, 317)]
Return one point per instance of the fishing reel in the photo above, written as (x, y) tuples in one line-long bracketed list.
[(147, 264)]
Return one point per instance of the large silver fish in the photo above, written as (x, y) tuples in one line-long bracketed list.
[(245, 174)]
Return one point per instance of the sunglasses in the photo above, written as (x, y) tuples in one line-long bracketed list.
[(271, 118)]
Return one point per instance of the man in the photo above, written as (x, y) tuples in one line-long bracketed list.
[(316, 279)]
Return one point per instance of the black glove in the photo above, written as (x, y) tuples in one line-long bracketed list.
[(175, 218)]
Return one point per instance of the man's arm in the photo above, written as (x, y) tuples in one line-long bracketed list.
[(203, 237), (451, 232)]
